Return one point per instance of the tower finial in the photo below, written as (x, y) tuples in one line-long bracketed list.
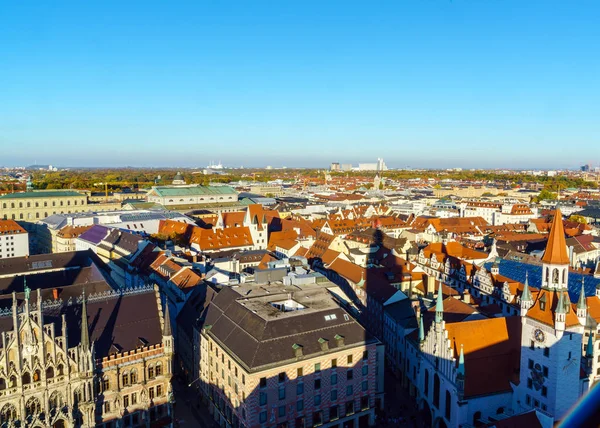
[(439, 306), (167, 325), (85, 336), (582, 303), (461, 361)]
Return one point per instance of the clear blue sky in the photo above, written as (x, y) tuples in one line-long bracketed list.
[(488, 83)]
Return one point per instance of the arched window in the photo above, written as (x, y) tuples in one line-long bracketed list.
[(2, 384), (158, 369), (61, 370), (49, 373), (564, 280), (105, 383), (13, 381), (28, 204), (476, 418), (555, 276), (436, 391), (125, 379), (133, 376), (77, 396), (37, 375), (20, 204), (56, 400), (33, 407), (8, 413), (26, 378), (151, 372), (426, 385), (547, 274), (448, 405), (499, 410)]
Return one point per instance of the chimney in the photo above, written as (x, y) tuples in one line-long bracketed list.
[(430, 286), (55, 293), (466, 297)]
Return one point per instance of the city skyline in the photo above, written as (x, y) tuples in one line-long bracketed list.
[(439, 84)]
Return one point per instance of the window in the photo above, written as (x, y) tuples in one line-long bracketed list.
[(300, 388), (365, 385), (317, 383), (426, 384), (317, 367), (334, 378), (350, 359), (282, 393), (262, 418), (282, 411), (529, 383), (436, 391), (545, 371), (159, 391), (532, 345), (350, 374), (133, 377), (334, 413), (349, 408), (151, 393), (299, 372), (334, 363), (364, 402), (125, 401), (544, 391), (365, 370), (300, 405), (281, 377), (318, 400), (263, 382), (365, 355), (106, 407), (334, 394), (349, 391), (530, 364), (317, 418), (105, 384), (448, 404), (477, 417), (263, 398), (158, 369), (151, 372), (528, 400), (546, 352), (134, 398)]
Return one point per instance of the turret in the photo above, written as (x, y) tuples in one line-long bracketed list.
[(526, 298), (582, 304), (167, 333), (85, 335), (560, 315), (555, 261), (439, 306), (460, 375)]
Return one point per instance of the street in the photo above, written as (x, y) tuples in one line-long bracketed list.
[(186, 414)]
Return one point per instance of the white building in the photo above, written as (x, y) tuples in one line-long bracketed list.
[(14, 240), (191, 195)]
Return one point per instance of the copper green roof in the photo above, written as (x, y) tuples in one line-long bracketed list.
[(193, 191), (42, 194)]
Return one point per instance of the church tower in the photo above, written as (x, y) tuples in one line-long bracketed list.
[(551, 335), (555, 262)]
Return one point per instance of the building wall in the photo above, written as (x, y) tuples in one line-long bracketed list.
[(14, 245), (234, 393)]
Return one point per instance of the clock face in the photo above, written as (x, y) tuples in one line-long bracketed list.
[(539, 335)]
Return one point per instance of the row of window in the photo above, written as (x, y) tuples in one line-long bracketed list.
[(335, 412), (26, 378), (37, 204)]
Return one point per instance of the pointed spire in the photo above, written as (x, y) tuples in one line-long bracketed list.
[(556, 248), (26, 289), (85, 335), (582, 303), (421, 329), (560, 307), (526, 296), (461, 361), (589, 350), (167, 325), (439, 306)]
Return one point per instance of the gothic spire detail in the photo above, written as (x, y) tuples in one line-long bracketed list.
[(421, 329), (85, 335), (439, 306), (582, 303), (461, 361), (526, 296), (167, 325), (560, 307)]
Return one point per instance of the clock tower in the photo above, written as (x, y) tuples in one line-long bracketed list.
[(551, 336)]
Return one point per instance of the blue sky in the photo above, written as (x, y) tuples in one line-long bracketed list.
[(422, 83)]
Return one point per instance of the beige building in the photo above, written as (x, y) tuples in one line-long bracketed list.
[(37, 205), (288, 359)]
